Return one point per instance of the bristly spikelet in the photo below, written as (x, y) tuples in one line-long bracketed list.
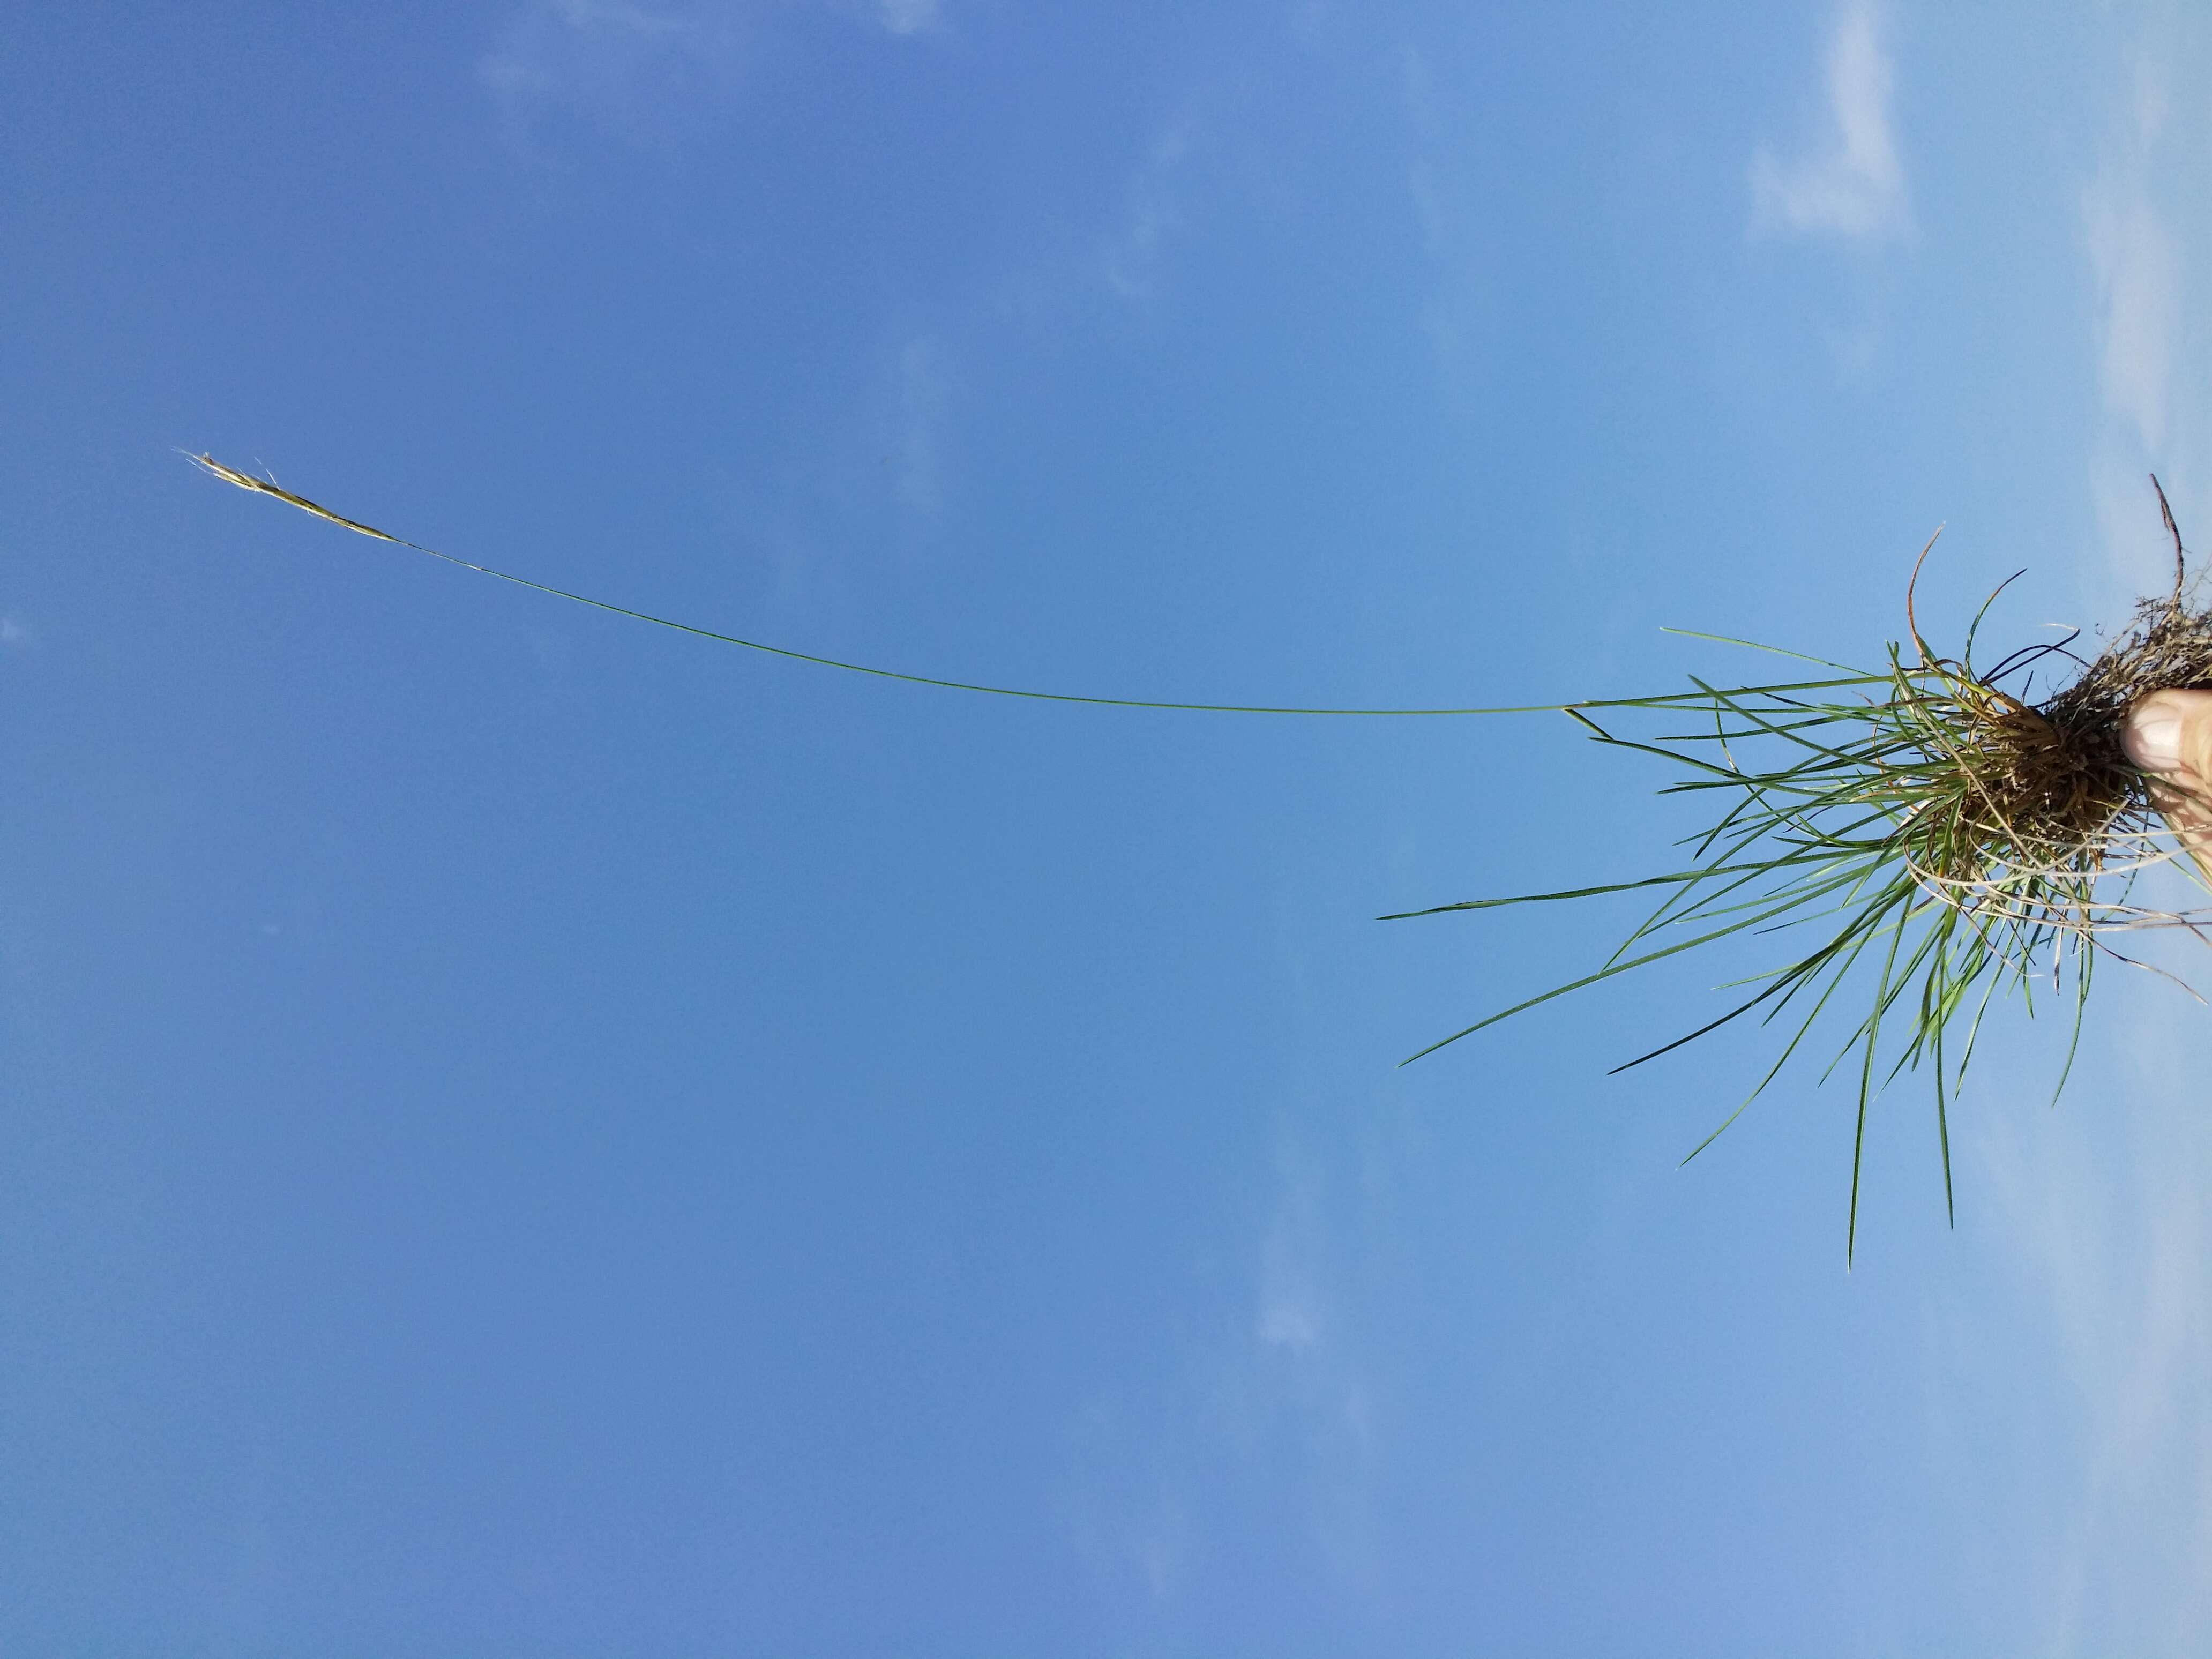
[(1942, 836)]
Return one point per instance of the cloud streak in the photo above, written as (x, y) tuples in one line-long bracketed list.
[(611, 60), (2099, 1212), (1131, 257), (907, 17), (1851, 183), (2134, 269), (2146, 237), (921, 415), (615, 57)]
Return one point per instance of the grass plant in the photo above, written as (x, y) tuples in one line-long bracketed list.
[(1934, 839), (1932, 836)]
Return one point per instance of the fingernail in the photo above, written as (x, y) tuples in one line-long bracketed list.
[(2153, 741)]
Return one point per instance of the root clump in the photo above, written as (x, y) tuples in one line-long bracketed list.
[(2049, 783)]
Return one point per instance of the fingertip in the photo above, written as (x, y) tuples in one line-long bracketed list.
[(2152, 736), (2166, 731)]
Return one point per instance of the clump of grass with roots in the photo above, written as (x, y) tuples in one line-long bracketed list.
[(1936, 838), (1924, 821)]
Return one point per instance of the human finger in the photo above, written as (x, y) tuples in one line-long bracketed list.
[(2168, 734)]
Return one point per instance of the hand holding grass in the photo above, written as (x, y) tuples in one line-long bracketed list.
[(2169, 736)]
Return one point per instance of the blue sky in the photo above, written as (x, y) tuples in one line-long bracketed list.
[(529, 1133)]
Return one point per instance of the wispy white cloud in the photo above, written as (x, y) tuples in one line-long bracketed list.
[(1418, 97), (919, 416), (1290, 1315), (2133, 265), (1307, 19), (908, 16), (1275, 1411), (1310, 1379), (2147, 236), (611, 59), (1132, 1508), (625, 60), (1131, 257), (1851, 182), (2100, 1213), (1450, 210)]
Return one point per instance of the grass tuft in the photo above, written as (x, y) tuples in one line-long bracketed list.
[(1935, 837)]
